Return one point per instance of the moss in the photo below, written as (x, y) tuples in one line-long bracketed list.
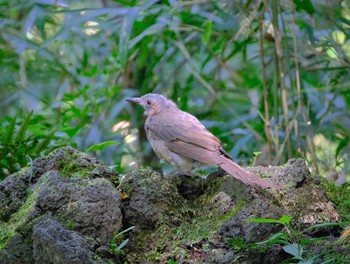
[(144, 178), (298, 202), (340, 195), (19, 219), (228, 185), (73, 169), (22, 173), (185, 225), (204, 225), (74, 164), (115, 180), (171, 241), (337, 252), (70, 225), (263, 175)]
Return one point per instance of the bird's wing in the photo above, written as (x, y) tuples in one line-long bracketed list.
[(185, 135), (177, 126), (194, 152)]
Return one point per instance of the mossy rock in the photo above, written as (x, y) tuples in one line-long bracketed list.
[(85, 207)]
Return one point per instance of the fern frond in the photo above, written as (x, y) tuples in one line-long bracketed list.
[(23, 128), (9, 132)]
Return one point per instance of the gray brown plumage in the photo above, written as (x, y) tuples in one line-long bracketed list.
[(181, 140)]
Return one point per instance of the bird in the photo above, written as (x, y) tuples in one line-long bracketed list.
[(181, 140)]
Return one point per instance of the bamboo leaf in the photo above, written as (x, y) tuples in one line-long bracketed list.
[(101, 146), (207, 31), (125, 33)]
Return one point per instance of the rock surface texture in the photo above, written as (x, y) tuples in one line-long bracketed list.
[(68, 210), (74, 206)]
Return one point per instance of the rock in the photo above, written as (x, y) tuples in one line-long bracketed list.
[(293, 174), (216, 212), (13, 193), (17, 251), (71, 163), (151, 199), (220, 255), (71, 209), (238, 226), (85, 208), (88, 206), (68, 161), (53, 243)]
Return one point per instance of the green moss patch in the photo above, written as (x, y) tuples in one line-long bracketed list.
[(17, 220), (340, 195), (194, 233)]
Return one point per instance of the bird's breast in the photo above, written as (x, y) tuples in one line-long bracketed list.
[(157, 145)]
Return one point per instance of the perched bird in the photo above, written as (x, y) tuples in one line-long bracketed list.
[(181, 139)]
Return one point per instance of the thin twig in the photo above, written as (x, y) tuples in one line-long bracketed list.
[(294, 121), (267, 126), (279, 58)]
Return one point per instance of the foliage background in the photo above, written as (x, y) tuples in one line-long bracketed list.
[(269, 76)]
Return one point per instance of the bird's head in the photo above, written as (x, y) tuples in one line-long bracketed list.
[(153, 103)]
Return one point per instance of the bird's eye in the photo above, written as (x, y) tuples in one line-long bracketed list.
[(149, 102)]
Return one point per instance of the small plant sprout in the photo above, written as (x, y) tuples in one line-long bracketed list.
[(292, 238), (116, 247)]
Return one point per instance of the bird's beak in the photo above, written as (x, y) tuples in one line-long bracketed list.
[(134, 100)]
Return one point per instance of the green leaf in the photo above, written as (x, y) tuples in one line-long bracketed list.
[(274, 239), (126, 2), (295, 250), (262, 220), (284, 220), (236, 242), (325, 225), (44, 143), (207, 31), (23, 128), (311, 240), (91, 72), (122, 245), (309, 261), (7, 139), (305, 5), (342, 144), (114, 247), (37, 129), (125, 34), (71, 131), (76, 111), (68, 97), (339, 37), (101, 146)]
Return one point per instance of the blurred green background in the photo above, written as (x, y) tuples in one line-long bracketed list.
[(263, 76)]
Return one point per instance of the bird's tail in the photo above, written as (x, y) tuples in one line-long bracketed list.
[(241, 174)]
